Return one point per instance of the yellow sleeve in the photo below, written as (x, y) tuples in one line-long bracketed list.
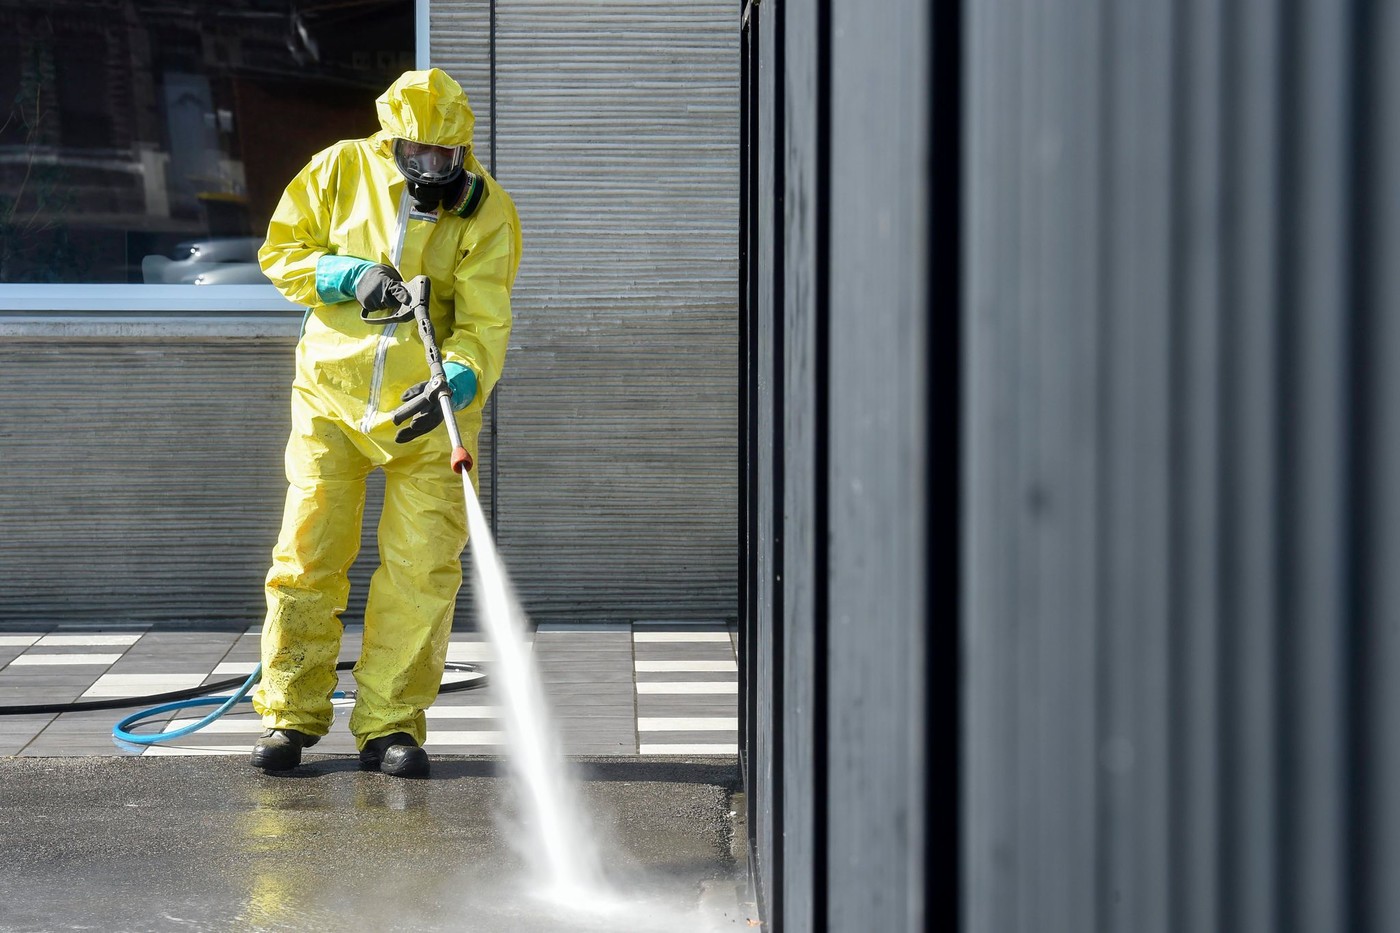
[(481, 321), (298, 234)]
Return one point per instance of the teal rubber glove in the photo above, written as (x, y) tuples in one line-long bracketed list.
[(337, 276), (463, 382)]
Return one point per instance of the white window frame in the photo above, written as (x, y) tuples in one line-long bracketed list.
[(192, 300)]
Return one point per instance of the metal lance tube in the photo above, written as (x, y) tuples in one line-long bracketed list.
[(420, 289)]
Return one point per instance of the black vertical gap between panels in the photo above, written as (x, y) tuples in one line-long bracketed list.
[(779, 463), (1364, 126), (779, 505), (1286, 490), (821, 471), (495, 401), (753, 771), (744, 607), (943, 446)]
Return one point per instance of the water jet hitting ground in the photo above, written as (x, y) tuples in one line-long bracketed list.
[(564, 853)]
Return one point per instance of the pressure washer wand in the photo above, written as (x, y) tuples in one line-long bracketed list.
[(438, 389), (419, 289)]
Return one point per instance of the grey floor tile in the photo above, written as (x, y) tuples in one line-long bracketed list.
[(613, 677), (16, 724), (653, 705)]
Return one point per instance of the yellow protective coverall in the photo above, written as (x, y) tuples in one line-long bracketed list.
[(350, 200)]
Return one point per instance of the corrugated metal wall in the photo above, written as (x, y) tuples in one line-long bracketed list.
[(1182, 236), (851, 325)]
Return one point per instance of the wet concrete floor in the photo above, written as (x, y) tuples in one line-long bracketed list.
[(208, 843)]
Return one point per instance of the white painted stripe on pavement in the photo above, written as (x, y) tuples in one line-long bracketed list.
[(704, 687), (680, 636), (225, 726), (232, 668), (686, 666), (159, 751), (697, 749), (58, 660), (452, 737), (120, 685), (89, 641), (463, 712), (688, 724), (17, 641)]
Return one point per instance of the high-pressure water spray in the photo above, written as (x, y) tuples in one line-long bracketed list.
[(563, 849)]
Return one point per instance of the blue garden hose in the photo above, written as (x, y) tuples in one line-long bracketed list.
[(197, 696), (121, 729)]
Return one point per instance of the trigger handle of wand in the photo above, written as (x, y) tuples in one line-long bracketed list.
[(419, 288)]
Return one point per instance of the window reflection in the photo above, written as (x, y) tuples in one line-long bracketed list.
[(147, 141)]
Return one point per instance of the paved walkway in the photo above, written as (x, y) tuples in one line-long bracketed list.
[(632, 690), (209, 844)]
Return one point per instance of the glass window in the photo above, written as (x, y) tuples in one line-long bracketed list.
[(147, 141)]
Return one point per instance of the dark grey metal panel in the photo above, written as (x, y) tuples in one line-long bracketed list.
[(617, 135), (765, 755), (1375, 897), (1315, 321), (1194, 847), (879, 315), (1137, 333), (994, 861), (801, 581), (1249, 529), (1234, 503), (1031, 467)]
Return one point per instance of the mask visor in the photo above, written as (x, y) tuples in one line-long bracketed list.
[(426, 164)]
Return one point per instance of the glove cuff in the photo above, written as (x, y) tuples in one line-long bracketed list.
[(337, 276), (463, 382)]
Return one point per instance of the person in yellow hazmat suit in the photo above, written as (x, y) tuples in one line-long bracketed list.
[(362, 217)]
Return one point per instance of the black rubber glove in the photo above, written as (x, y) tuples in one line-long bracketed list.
[(379, 287), (420, 403)]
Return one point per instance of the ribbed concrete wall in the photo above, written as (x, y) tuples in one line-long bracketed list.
[(617, 134), (142, 469)]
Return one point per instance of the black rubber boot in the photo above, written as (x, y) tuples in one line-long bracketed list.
[(280, 749), (397, 754)]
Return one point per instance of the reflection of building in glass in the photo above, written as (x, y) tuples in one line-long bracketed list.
[(136, 128)]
